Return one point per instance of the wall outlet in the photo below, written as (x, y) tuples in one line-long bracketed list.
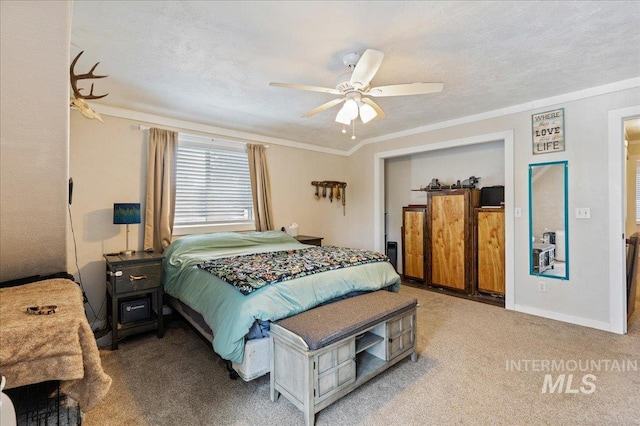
[(542, 286)]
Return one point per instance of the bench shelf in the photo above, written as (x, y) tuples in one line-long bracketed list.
[(312, 379)]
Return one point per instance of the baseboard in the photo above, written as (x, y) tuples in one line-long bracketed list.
[(480, 297), (585, 322)]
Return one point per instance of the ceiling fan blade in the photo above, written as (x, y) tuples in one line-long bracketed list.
[(310, 88), (375, 106), (366, 68), (405, 89), (323, 107)]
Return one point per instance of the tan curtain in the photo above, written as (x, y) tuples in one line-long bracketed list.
[(261, 189), (161, 189)]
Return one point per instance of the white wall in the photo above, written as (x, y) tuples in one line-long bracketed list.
[(584, 299), (108, 165), (34, 138)]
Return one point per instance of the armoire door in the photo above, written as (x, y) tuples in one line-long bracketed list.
[(490, 266), (413, 242), (450, 243)]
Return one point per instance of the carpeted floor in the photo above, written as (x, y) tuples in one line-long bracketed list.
[(466, 373)]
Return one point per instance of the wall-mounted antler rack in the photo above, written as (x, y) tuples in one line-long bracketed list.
[(331, 188), (79, 101)]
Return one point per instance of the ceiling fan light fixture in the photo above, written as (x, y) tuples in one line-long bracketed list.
[(342, 117), (367, 113), (350, 109), (355, 90), (348, 112)]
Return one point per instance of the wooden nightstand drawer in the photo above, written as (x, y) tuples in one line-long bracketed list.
[(136, 277), (307, 239)]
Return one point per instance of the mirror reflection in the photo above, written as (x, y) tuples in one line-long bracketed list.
[(548, 219)]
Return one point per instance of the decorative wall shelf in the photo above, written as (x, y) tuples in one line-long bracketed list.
[(435, 185)]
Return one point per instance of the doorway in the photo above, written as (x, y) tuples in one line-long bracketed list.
[(632, 199), (617, 216)]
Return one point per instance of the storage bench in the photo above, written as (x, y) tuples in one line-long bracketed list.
[(320, 355)]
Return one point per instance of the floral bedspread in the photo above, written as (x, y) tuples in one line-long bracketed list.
[(250, 272)]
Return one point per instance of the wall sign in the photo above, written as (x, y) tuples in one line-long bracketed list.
[(548, 131)]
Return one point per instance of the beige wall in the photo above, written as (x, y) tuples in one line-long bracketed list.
[(108, 165), (34, 137), (292, 171), (584, 298)]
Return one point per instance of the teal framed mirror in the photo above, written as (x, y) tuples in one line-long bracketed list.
[(549, 219)]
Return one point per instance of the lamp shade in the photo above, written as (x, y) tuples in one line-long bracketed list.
[(367, 113), (126, 213), (342, 117), (351, 109)]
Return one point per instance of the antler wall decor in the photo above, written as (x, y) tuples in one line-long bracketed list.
[(78, 101)]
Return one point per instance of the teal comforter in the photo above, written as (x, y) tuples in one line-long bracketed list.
[(229, 313)]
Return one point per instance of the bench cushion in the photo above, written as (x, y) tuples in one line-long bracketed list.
[(324, 325)]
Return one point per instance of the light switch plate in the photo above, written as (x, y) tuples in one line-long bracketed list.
[(517, 212), (583, 213)]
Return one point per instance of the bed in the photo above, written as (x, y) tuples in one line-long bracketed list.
[(235, 319)]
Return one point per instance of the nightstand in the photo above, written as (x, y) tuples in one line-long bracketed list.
[(134, 294), (307, 239)]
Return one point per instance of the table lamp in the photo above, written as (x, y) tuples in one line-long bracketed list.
[(126, 214)]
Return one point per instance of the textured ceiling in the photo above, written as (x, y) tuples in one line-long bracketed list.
[(212, 62)]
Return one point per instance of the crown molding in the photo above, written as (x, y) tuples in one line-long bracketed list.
[(210, 130), (529, 106), (253, 137)]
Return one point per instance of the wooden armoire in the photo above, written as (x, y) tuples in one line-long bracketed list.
[(490, 254), (449, 242), (414, 224)]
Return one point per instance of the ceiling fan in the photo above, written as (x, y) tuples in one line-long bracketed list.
[(354, 89)]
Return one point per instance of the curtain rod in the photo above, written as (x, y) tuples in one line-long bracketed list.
[(143, 128)]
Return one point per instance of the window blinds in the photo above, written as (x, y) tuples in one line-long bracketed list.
[(212, 183)]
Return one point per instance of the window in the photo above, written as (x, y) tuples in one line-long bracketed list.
[(213, 188)]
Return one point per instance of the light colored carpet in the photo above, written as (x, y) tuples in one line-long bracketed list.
[(461, 377)]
